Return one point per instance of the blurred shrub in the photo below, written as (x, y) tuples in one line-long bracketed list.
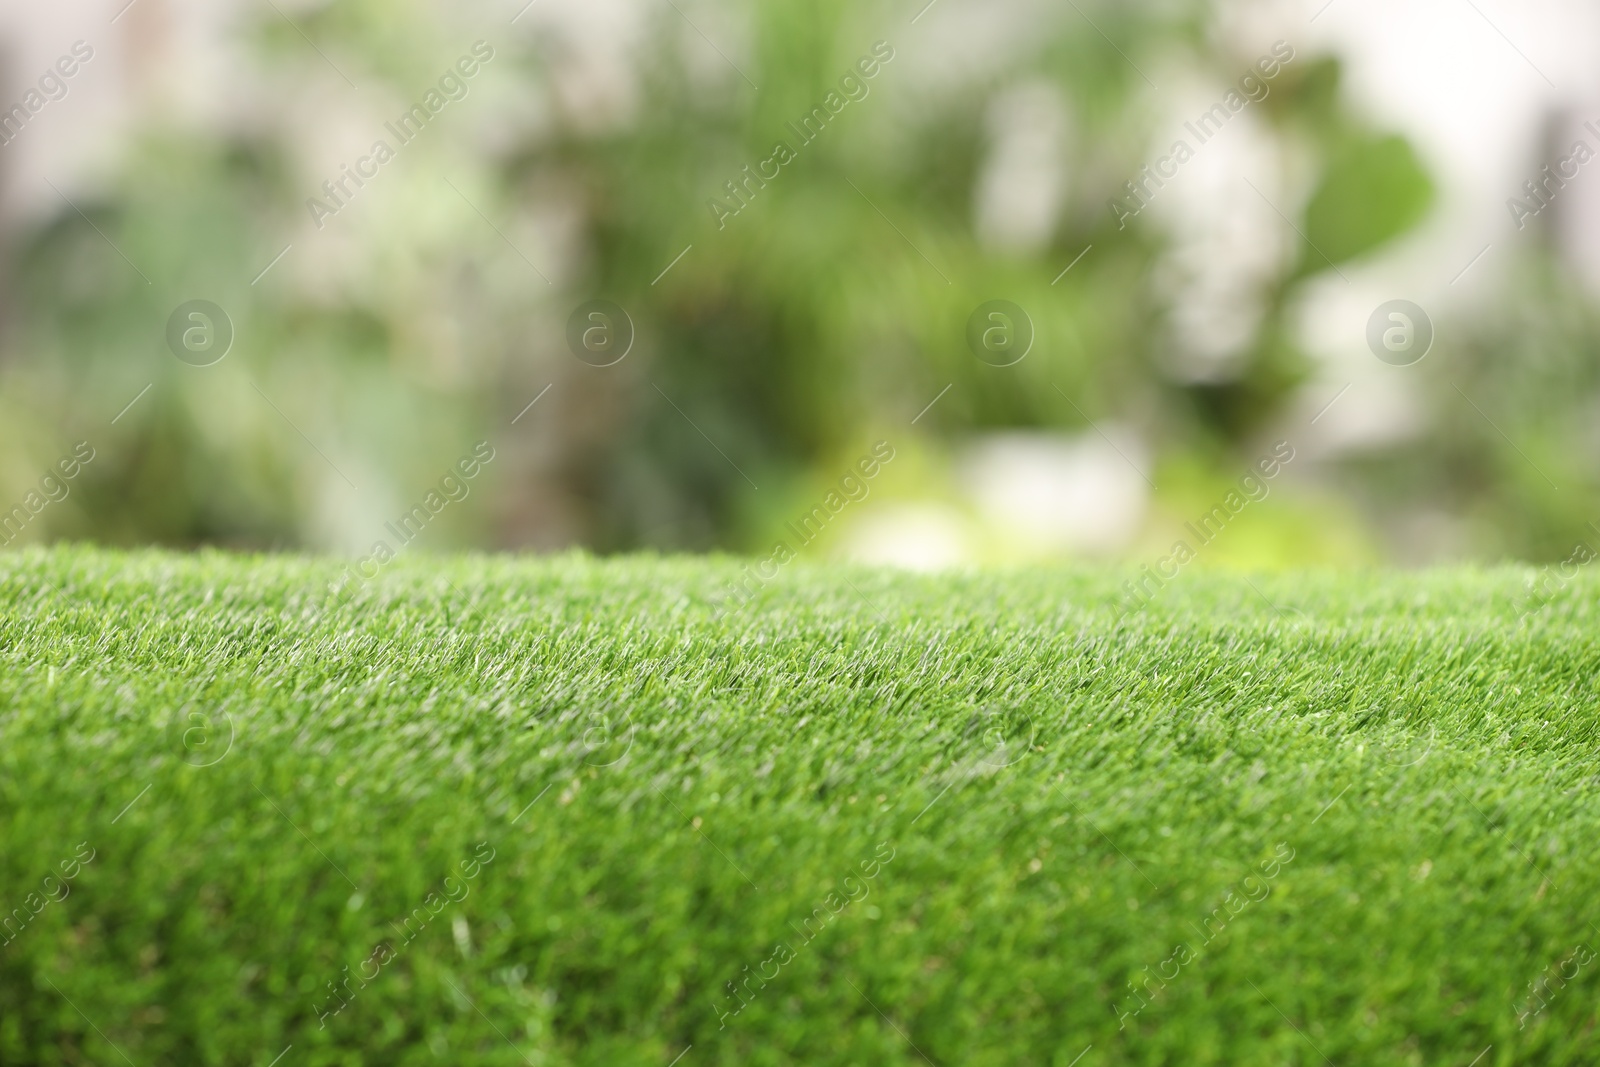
[(432, 309)]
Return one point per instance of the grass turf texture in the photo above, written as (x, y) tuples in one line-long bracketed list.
[(1064, 797)]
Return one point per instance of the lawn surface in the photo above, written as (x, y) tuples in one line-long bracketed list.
[(502, 811)]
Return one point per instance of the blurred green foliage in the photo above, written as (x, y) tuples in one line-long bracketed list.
[(1372, 190), (826, 313)]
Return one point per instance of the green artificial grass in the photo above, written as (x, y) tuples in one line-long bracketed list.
[(559, 811)]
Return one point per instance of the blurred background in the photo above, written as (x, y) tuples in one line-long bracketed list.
[(778, 329)]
